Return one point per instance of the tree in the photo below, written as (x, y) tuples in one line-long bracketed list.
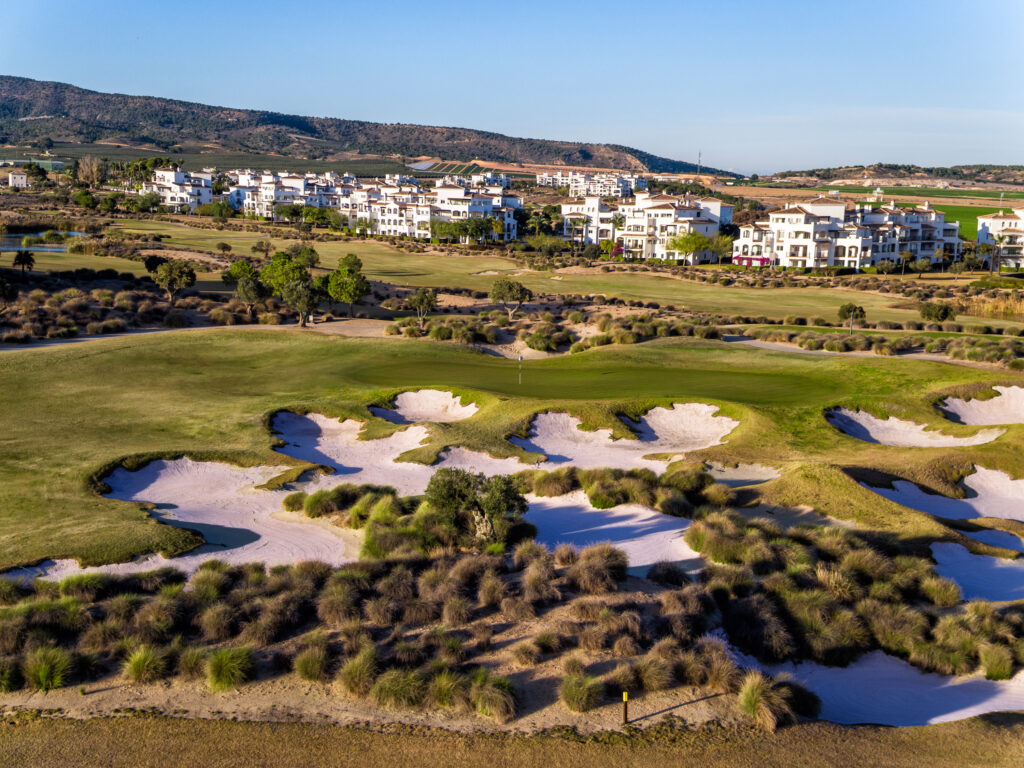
[(250, 292), (301, 296), (905, 256), (616, 221), (237, 271), (997, 252), (304, 255), (25, 260), (92, 170), (937, 311), (691, 243), (853, 313), (153, 262), (479, 508), (262, 246), (721, 246), (281, 271), (147, 202), (84, 198), (224, 247), (347, 283), (109, 203), (922, 265), (885, 267), (174, 276), (972, 262), (422, 302), (365, 226), (511, 294)]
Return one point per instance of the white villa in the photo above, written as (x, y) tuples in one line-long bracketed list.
[(825, 233), (178, 188), (1011, 227), (643, 226), (17, 180), (594, 185), (487, 179), (395, 209)]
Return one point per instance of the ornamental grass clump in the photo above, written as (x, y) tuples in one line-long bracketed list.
[(357, 675), (227, 668), (399, 689), (581, 693), (491, 695), (764, 701), (47, 668), (146, 664)]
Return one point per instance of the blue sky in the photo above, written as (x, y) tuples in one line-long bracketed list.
[(756, 86)]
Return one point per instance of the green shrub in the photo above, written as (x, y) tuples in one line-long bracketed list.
[(358, 674), (311, 664), (581, 693), (398, 688), (491, 695), (146, 664), (293, 502), (47, 668), (319, 503), (227, 668)]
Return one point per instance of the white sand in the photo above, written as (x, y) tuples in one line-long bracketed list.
[(742, 474), (990, 493), (882, 689), (645, 535), (674, 431), (897, 432), (431, 405), (981, 577), (1005, 408), (240, 523)]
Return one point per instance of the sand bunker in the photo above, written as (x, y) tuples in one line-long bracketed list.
[(675, 431), (240, 523), (431, 405), (990, 493), (645, 535), (882, 689), (1005, 408), (981, 577), (897, 432), (997, 538), (742, 474)]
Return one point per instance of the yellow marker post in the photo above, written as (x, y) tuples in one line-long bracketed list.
[(625, 708)]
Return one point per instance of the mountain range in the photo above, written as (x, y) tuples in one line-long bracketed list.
[(34, 110)]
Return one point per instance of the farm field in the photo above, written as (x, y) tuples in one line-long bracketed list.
[(991, 741), (206, 393)]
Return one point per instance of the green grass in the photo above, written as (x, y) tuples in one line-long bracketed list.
[(74, 410), (993, 741), (966, 215), (382, 262), (927, 192), (52, 260)]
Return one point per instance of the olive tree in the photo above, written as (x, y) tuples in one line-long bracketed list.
[(423, 302), (174, 276), (511, 294), (853, 313)]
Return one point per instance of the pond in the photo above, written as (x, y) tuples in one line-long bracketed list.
[(13, 241)]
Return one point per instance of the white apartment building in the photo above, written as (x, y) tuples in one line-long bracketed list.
[(178, 188), (1011, 227), (825, 233), (394, 208), (643, 226), (487, 179), (594, 185), (17, 180)]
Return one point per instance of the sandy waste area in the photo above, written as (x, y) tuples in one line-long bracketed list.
[(898, 432)]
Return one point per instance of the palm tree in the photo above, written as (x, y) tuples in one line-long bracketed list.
[(616, 221), (993, 264), (25, 260)]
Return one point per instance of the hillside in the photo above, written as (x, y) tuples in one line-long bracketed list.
[(956, 174), (31, 110)]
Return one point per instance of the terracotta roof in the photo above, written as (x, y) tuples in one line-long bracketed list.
[(1001, 216)]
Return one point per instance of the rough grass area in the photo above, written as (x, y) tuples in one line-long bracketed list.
[(991, 741), (74, 412)]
